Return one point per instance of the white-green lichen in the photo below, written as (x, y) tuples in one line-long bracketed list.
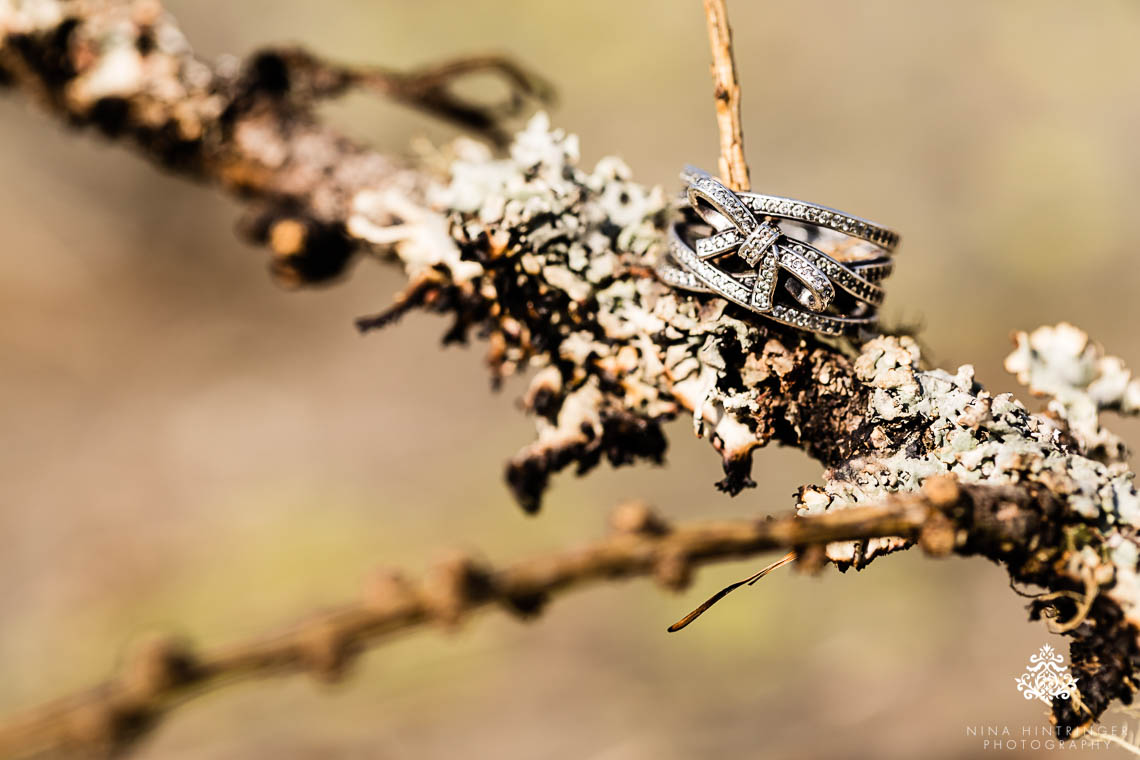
[(1080, 381), (931, 422), (579, 232)]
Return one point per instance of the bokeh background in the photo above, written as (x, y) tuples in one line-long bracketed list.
[(186, 447)]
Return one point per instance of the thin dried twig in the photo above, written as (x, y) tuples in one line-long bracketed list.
[(708, 603), (431, 89), (163, 673), (733, 167)]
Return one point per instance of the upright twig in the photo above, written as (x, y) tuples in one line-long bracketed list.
[(733, 167)]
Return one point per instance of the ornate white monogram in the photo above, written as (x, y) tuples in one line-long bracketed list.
[(1046, 678)]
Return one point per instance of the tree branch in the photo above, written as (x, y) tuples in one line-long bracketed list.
[(551, 263), (162, 674), (126, 69)]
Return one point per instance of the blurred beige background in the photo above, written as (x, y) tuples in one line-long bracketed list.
[(188, 448)]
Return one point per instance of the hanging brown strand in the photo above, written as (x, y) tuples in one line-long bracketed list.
[(789, 557)]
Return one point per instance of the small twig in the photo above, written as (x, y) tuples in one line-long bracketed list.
[(1084, 605), (789, 557), (164, 674), (419, 291), (733, 167), (429, 89)]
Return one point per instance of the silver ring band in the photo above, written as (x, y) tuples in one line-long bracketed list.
[(692, 273), (811, 213), (862, 276), (827, 296)]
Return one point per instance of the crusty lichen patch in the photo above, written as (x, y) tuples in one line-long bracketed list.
[(1080, 381), (931, 422), (552, 263)]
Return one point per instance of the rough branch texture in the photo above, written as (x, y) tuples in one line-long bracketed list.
[(550, 263), (126, 69)]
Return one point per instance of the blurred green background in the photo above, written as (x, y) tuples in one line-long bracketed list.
[(188, 448)]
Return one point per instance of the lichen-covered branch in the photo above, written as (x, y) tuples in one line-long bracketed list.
[(126, 69), (550, 262), (162, 673)]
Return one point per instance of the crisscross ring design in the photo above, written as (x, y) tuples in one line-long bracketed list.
[(827, 296)]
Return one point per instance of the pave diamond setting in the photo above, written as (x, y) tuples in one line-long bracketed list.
[(758, 242), (826, 296), (817, 292), (771, 205), (701, 276), (786, 208), (755, 242)]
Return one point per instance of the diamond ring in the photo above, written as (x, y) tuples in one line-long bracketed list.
[(759, 242)]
